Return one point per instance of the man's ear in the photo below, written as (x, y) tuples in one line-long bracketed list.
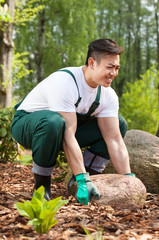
[(91, 62)]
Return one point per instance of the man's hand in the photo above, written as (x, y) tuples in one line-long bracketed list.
[(85, 188)]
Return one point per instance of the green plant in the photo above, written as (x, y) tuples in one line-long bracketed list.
[(8, 146), (4, 14), (97, 237), (40, 211), (139, 104), (61, 161)]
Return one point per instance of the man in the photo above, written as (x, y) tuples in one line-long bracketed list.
[(72, 108)]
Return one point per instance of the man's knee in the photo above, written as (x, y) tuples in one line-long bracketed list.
[(54, 123), (122, 125)]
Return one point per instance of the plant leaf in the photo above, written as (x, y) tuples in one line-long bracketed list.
[(37, 206), (55, 204), (20, 209), (28, 208), (47, 213), (3, 132), (52, 224), (39, 193), (34, 222), (25, 209)]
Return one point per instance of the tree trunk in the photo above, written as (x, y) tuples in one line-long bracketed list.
[(157, 32), (148, 60), (6, 47), (157, 134), (138, 41), (39, 57)]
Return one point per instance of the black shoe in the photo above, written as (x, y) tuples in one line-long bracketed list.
[(43, 181)]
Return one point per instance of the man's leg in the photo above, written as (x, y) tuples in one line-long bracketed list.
[(41, 131), (96, 156)]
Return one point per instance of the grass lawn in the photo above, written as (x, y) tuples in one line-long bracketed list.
[(26, 160)]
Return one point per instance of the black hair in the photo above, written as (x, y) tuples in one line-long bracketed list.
[(100, 47)]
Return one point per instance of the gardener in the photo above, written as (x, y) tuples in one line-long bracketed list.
[(73, 108)]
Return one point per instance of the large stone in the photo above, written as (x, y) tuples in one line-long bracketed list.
[(143, 150), (118, 191)]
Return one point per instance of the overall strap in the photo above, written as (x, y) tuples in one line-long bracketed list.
[(69, 72), (95, 104), (98, 94)]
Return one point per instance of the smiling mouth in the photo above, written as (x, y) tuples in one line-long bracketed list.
[(109, 80)]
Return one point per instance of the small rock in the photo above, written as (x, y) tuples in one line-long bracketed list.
[(118, 191)]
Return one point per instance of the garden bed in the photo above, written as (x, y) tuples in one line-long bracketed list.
[(16, 182)]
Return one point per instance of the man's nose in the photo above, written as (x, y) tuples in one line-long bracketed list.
[(113, 72)]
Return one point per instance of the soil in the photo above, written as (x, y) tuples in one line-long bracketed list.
[(16, 183)]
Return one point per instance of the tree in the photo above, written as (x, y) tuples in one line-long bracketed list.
[(57, 38), (6, 51), (25, 11), (133, 25)]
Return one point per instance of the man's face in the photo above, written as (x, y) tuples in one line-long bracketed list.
[(104, 72)]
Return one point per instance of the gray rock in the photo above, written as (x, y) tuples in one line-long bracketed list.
[(118, 191), (143, 150)]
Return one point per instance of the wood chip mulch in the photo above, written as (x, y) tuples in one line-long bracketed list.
[(16, 183)]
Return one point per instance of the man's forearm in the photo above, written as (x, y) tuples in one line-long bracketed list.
[(73, 154), (119, 156), (70, 144)]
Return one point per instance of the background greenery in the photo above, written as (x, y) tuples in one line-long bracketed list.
[(51, 34), (8, 146)]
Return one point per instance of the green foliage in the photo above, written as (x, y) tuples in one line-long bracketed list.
[(19, 66), (132, 25), (61, 161), (19, 71), (26, 11), (8, 146), (4, 14), (40, 211), (98, 236), (60, 33), (57, 37), (139, 104)]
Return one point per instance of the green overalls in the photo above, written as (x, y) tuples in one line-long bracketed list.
[(42, 132)]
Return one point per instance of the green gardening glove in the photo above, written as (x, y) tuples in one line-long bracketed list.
[(131, 174), (85, 188)]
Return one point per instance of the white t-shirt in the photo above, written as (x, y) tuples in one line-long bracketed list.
[(58, 92)]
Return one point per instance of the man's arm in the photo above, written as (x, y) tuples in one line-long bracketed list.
[(109, 127), (70, 145), (75, 159)]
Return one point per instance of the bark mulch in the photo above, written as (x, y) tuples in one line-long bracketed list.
[(16, 182)]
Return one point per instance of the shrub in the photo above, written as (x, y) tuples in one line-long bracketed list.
[(8, 146), (139, 104)]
